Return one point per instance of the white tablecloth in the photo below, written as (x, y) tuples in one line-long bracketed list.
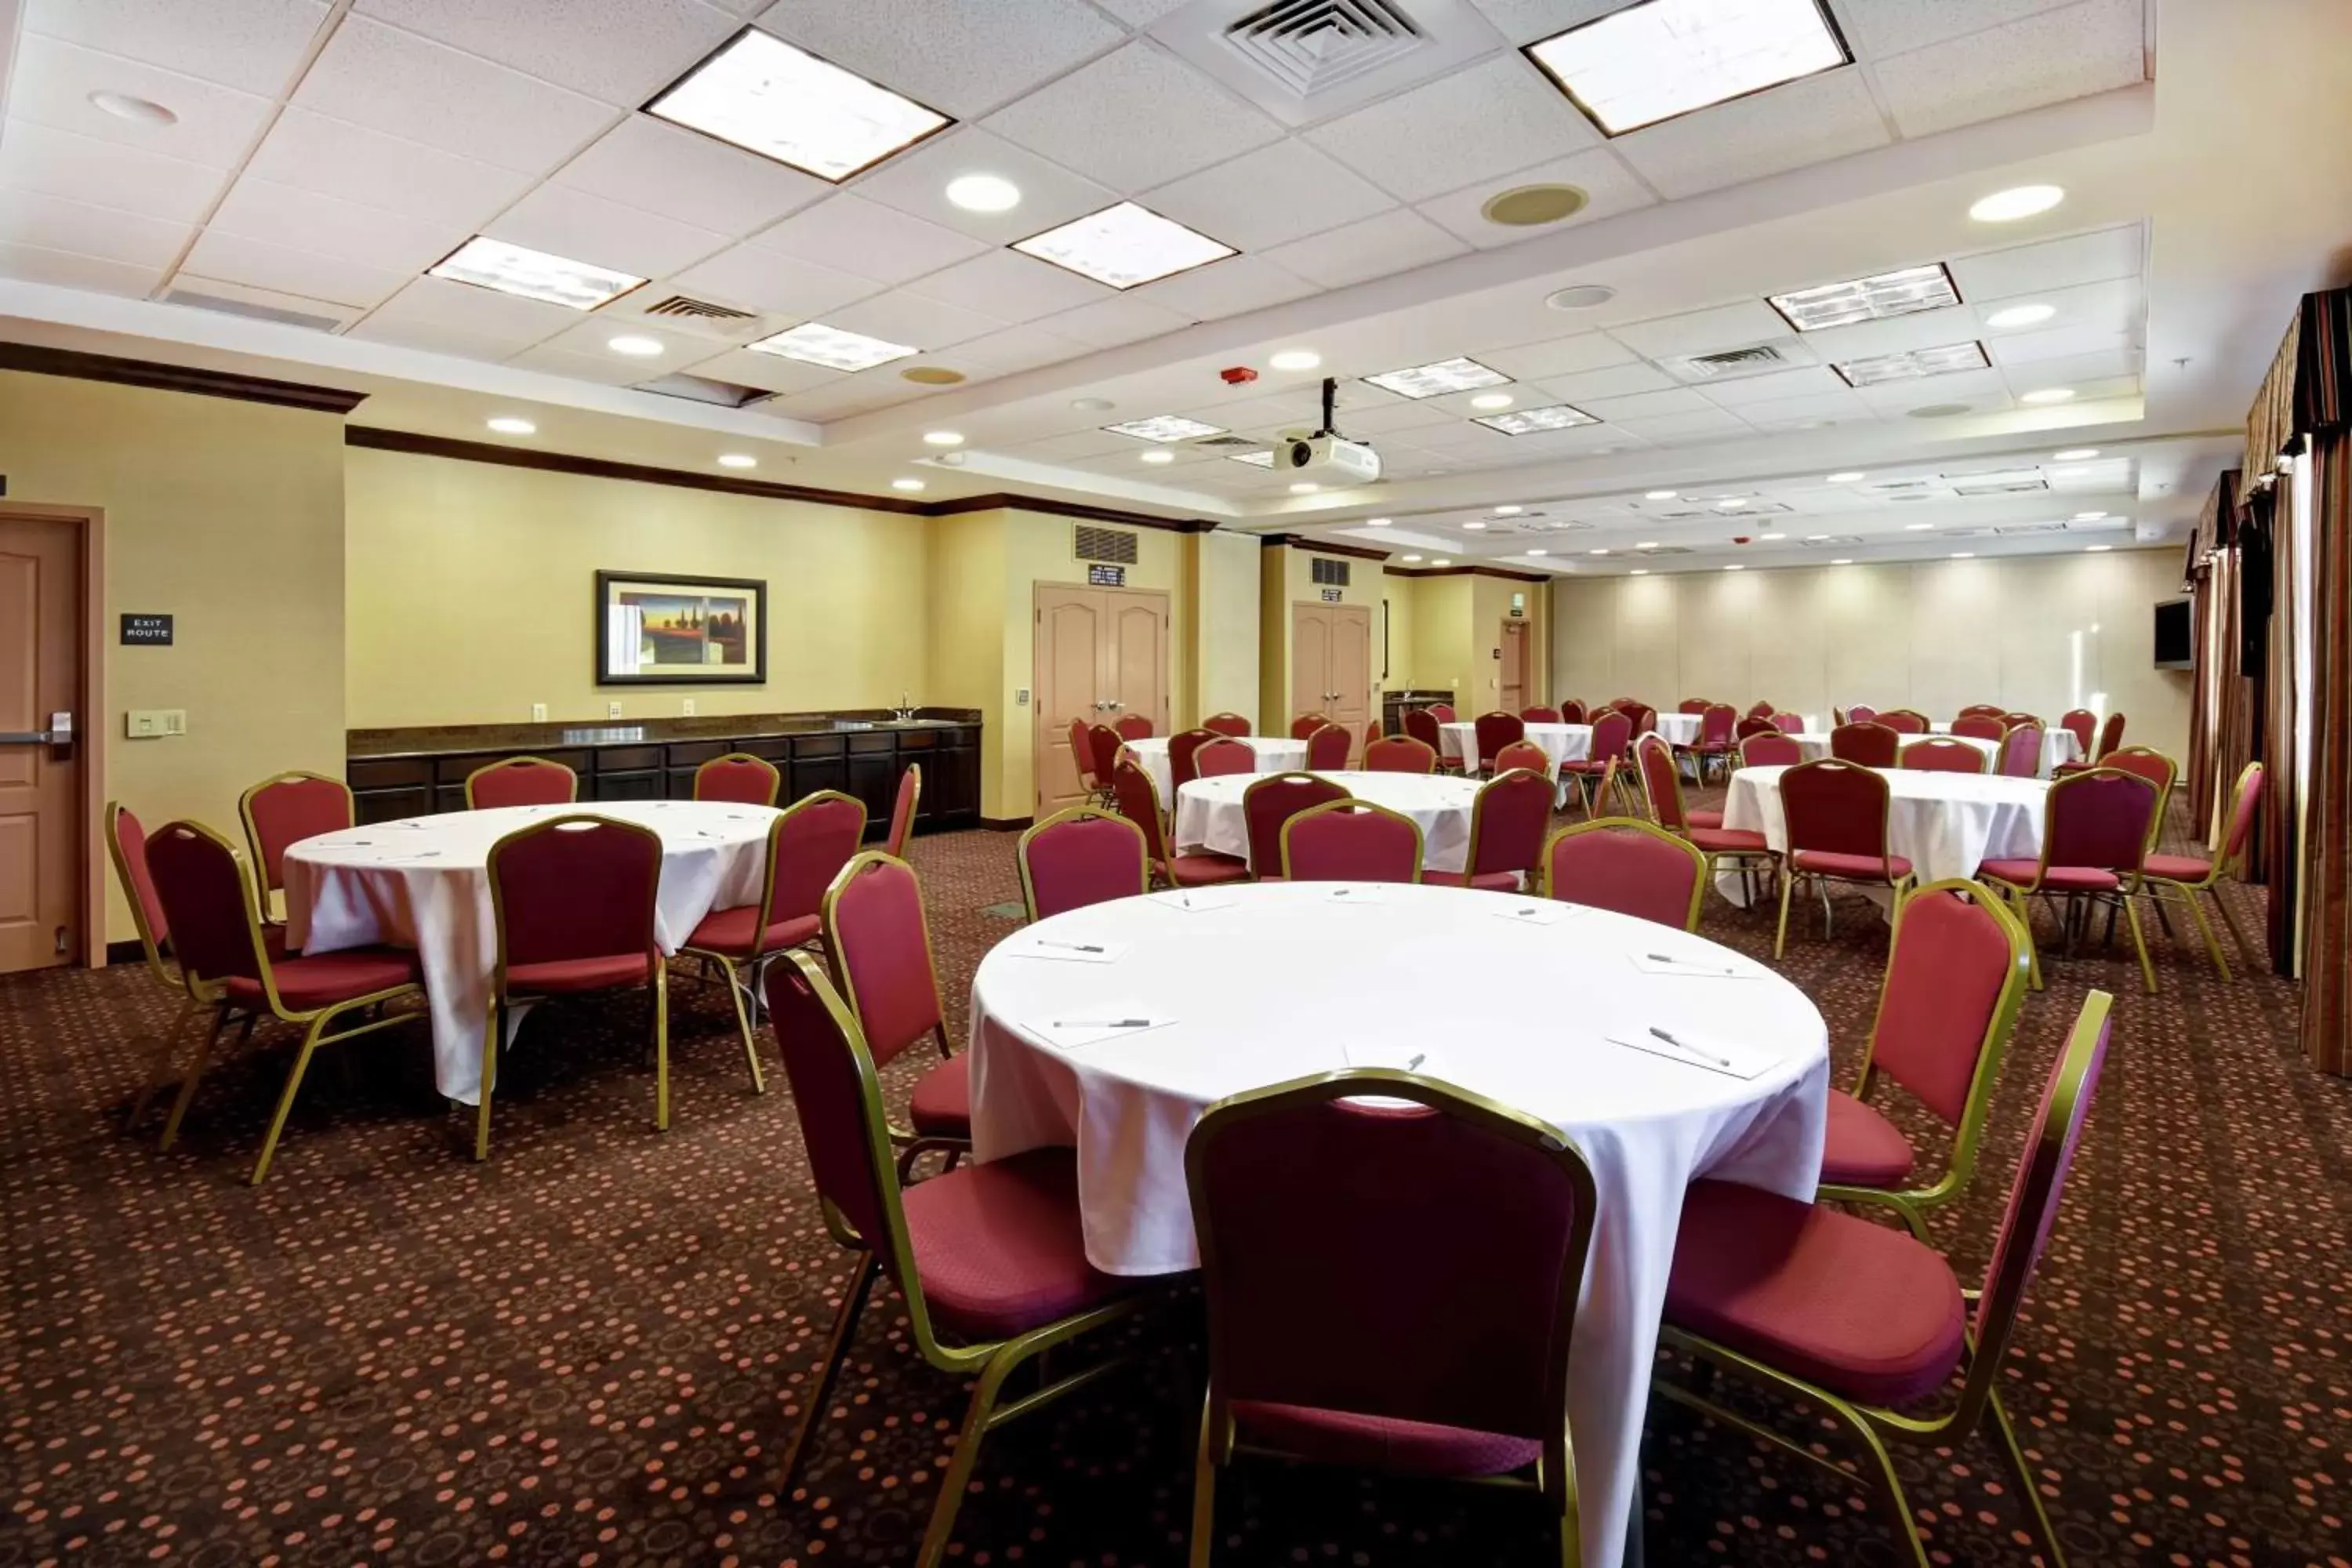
[(2058, 745), (1680, 729), (1281, 982), (1209, 812), (1946, 825), (1560, 743), (1275, 755), (1815, 744), (425, 883)]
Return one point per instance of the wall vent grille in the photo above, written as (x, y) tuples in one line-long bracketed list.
[(1114, 546), (1311, 47), (1328, 573), (1763, 356)]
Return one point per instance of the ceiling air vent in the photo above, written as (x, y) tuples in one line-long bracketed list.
[(1664, 550), (1115, 545), (1537, 524), (257, 312), (1833, 541), (705, 389), (1732, 362), (1744, 508), (2006, 528), (683, 307), (1311, 47), (1225, 443)]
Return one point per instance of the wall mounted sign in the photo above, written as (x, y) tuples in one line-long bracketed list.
[(654, 628), (1330, 596), (146, 630), (1101, 576)]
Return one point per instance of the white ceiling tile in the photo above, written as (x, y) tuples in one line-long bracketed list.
[(1261, 199), (1616, 381), (1473, 124), (916, 181), (605, 370), (2061, 343), (1083, 444), (217, 126), (961, 59), (900, 316), (1019, 348), (1897, 334), (1570, 355), (593, 339), (65, 269), (305, 220), (1671, 429), (1647, 405), (622, 51), (1814, 381), (1968, 387), (253, 45), (1525, 21), (1094, 119), (187, 283), (434, 314), (859, 394), (1787, 127), (770, 373), (1393, 242), (564, 222), (2083, 49), (58, 163), (2113, 362), (288, 271), (747, 275), (660, 168), (1010, 287), (1882, 27), (2117, 305), (1703, 332), (335, 158), (1609, 190), (857, 236), (1229, 288), (2097, 257), (405, 85), (1108, 322), (52, 223), (1464, 441)]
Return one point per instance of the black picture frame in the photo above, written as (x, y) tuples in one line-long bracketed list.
[(751, 671)]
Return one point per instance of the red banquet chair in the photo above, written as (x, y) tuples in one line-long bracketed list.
[(1422, 724), (572, 904), (989, 1260), (1222, 757), (1082, 857), (1941, 754), (902, 809), (1753, 724), (1692, 705), (1442, 712), (1866, 743), (1661, 791), (739, 779), (1507, 822), (2020, 753), (1994, 709), (1788, 723), (2184, 876), (1138, 802), (808, 844), (1861, 713), (1539, 715), (1306, 724), (1523, 755), (1369, 1303), (1759, 710), (520, 781), (280, 812), (2084, 725), (1613, 731), (1183, 748), (2095, 827), (1861, 1323), (1103, 746), (1955, 981), (1274, 800), (1226, 723), (878, 943), (1980, 726), (1572, 713), (1716, 741), (1400, 755), (1905, 722), (1133, 727), (1836, 814), (1494, 731), (1774, 750), (126, 845), (1326, 750), (2111, 740), (209, 904), (1350, 841), (1625, 864)]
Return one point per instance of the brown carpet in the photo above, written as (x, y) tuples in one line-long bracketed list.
[(584, 1351)]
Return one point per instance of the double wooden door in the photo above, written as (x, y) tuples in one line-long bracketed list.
[(1331, 663), (1101, 653)]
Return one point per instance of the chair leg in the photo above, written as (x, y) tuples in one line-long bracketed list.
[(2237, 937), (837, 1348), (1780, 934), (493, 1036), (967, 1454), (1890, 1487), (736, 985), (661, 1048), (1204, 1496), (286, 1097), (205, 1041), (2139, 940), (2037, 1518), (161, 1066)]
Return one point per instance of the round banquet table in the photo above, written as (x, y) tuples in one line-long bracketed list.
[(1225, 984), (1209, 812), (423, 883), (1815, 744), (1560, 743), (1946, 825), (2058, 745), (1275, 755), (1680, 729)]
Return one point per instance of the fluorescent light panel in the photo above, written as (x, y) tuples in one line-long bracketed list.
[(813, 342), (1663, 59), (489, 263), (1165, 427), (1900, 294), (1124, 246), (1911, 365), (1528, 421), (1435, 380), (1254, 459), (762, 94)]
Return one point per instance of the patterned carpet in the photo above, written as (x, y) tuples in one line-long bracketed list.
[(586, 1352)]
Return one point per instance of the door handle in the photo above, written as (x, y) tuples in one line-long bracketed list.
[(60, 732)]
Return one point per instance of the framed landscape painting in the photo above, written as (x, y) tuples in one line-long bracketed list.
[(662, 628)]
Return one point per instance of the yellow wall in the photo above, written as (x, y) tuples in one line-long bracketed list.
[(1454, 623), (229, 516), (471, 592), (1226, 670), (1286, 578), (1934, 636)]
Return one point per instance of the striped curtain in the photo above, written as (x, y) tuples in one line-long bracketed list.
[(2222, 698), (2326, 869)]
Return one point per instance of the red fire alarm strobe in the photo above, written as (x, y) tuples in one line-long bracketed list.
[(1237, 375)]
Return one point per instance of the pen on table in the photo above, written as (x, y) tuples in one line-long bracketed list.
[(1102, 1023), (1073, 946), (1694, 1051), (1415, 1065)]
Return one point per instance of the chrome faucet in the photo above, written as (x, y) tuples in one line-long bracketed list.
[(904, 712)]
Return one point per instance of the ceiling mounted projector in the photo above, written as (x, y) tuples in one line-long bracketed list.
[(1327, 459)]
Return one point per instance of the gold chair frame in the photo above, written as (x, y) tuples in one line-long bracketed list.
[(252, 829), (166, 973), (1395, 740), (1789, 873), (2159, 888), (1746, 858), (511, 762), (1420, 846), (1077, 813), (895, 843), (1638, 825), (2020, 898), (912, 1145), (1947, 746), (736, 759)]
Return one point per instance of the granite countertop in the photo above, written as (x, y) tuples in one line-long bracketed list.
[(455, 739)]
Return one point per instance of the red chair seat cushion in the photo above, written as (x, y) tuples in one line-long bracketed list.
[(1728, 840), (307, 985), (1863, 1310), (728, 932), (1485, 881), (1199, 870), (940, 1106), (2059, 879), (1585, 765), (2179, 868), (1000, 1249), (1702, 820), (579, 974), (1861, 868), (1379, 1442), (1864, 1149)]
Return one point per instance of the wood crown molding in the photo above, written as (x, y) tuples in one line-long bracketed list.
[(1471, 572), (159, 377), (1321, 546), (1068, 508)]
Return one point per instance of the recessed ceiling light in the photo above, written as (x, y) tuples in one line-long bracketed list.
[(1430, 380), (514, 269), (1603, 550), (909, 486), (767, 97), (1441, 561), (1936, 411), (1660, 495), (1124, 244), (139, 111), (2089, 516), (737, 460), (1872, 299), (1377, 522), (1157, 454), (1660, 58), (1475, 526), (2049, 394), (1640, 572), (1848, 476), (1408, 558), (2075, 454), (1305, 488), (983, 193), (1735, 566), (1092, 405), (2019, 200), (1647, 544), (942, 438), (1816, 538), (1964, 555), (2096, 549), (1581, 297), (634, 346), (1842, 561), (1531, 206), (1917, 527), (1508, 510), (1540, 551), (1731, 503), (813, 342), (2021, 316), (1875, 369), (1492, 400), (1767, 538), (508, 425), (1535, 421), (1295, 359), (1165, 427)]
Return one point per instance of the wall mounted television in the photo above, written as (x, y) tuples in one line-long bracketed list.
[(2175, 639)]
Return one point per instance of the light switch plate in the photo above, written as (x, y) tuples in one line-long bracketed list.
[(611, 710), (689, 708), (1020, 697), (539, 712)]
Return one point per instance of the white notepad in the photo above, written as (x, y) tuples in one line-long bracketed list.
[(1066, 950), (1708, 1053), (1093, 1025), (1356, 893), (1700, 968), (1193, 900), (1534, 912)]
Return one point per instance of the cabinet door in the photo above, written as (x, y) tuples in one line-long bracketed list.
[(953, 793), (874, 780)]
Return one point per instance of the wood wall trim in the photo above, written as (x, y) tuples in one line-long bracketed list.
[(161, 377), (1321, 546), (1471, 572), (1068, 508)]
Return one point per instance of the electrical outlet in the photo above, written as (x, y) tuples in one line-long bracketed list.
[(539, 712), (689, 708), (611, 710), (1020, 697), (153, 723)]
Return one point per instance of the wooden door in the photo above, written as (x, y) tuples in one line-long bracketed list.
[(1351, 668), (41, 830), (1512, 678), (1135, 678), (1070, 635), (1310, 661)]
